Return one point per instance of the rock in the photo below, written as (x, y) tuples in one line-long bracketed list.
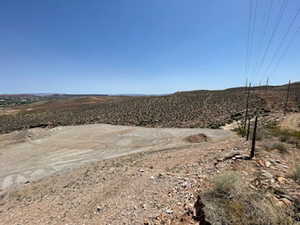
[(142, 170), (98, 209), (169, 211), (282, 180), (272, 180), (267, 164), (277, 202), (267, 174), (286, 202), (185, 185), (261, 163)]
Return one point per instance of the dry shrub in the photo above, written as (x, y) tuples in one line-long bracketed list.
[(285, 134), (230, 202), (227, 184), (240, 130), (280, 147)]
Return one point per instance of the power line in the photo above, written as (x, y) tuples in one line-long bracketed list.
[(285, 51), (248, 36), (267, 16), (283, 39), (253, 32), (278, 22)]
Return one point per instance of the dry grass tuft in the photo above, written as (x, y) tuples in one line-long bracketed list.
[(230, 202), (277, 146), (227, 184)]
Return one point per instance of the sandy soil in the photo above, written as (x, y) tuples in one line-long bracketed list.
[(29, 155)]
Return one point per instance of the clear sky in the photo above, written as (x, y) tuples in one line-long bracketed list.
[(139, 46)]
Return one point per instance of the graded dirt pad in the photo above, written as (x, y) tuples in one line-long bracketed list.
[(141, 188), (29, 155)]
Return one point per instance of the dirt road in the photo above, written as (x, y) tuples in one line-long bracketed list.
[(26, 156)]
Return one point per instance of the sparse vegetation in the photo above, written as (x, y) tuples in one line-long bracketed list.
[(284, 134), (227, 184), (240, 130), (231, 203), (280, 147), (185, 109)]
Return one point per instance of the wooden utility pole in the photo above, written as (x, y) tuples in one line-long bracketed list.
[(267, 84), (248, 129), (247, 106), (252, 153), (287, 97)]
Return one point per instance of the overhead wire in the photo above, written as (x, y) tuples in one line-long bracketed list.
[(282, 41), (252, 33), (248, 36), (267, 18), (282, 9), (285, 51)]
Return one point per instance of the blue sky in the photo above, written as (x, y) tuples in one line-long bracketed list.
[(137, 46)]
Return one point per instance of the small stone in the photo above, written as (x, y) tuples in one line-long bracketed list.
[(267, 174), (142, 171), (286, 202), (185, 184), (272, 180), (282, 180), (267, 164), (261, 163), (169, 211)]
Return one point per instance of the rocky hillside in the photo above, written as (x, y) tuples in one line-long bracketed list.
[(184, 109)]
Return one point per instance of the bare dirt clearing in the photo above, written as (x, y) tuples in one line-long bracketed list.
[(29, 155)]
